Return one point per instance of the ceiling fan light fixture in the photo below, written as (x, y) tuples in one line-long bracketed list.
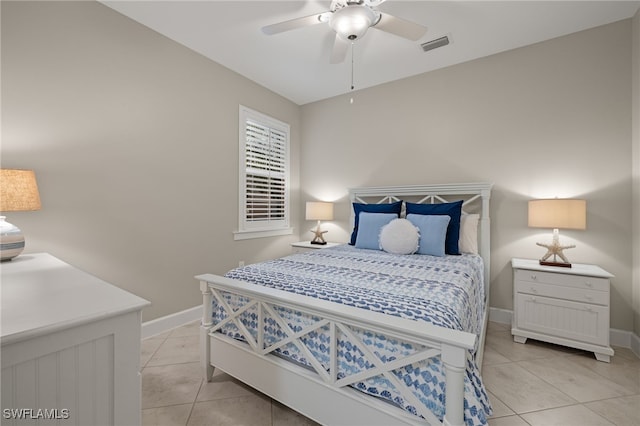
[(352, 22)]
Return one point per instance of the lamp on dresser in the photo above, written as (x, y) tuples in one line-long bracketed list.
[(18, 192), (557, 214), (317, 210)]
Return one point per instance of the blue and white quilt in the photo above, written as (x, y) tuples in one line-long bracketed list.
[(444, 291)]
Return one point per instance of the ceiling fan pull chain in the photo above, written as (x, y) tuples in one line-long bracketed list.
[(352, 47), (352, 85)]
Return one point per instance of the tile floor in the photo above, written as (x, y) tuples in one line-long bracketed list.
[(531, 384)]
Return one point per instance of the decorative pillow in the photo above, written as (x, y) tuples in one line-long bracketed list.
[(372, 208), (399, 237), (433, 232), (469, 233), (453, 210), (369, 229)]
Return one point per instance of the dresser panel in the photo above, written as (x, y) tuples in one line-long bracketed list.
[(563, 318)]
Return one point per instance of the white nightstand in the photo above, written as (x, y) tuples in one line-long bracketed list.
[(565, 306), (302, 246)]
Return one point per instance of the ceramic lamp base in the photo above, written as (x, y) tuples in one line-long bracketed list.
[(11, 240)]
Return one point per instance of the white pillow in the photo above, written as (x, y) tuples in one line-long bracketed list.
[(468, 241), (399, 237)]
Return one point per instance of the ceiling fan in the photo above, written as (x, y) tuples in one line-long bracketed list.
[(351, 19)]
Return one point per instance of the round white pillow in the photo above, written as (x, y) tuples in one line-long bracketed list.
[(399, 237)]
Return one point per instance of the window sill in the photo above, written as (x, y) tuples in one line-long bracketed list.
[(247, 235)]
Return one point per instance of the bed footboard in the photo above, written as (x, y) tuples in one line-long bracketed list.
[(301, 388), (205, 325)]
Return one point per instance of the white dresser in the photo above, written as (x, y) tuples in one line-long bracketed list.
[(70, 346), (565, 306)]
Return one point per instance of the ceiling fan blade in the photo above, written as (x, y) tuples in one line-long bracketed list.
[(293, 24), (339, 51), (400, 27)]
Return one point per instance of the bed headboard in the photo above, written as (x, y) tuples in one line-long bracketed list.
[(475, 198)]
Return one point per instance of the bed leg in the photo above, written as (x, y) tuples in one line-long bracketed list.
[(454, 360), (205, 324)]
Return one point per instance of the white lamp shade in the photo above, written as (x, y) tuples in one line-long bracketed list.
[(558, 214), (317, 210)]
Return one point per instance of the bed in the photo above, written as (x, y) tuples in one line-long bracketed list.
[(351, 335)]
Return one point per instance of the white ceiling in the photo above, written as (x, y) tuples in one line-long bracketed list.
[(296, 65)]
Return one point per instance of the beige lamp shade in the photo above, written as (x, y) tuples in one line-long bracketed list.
[(18, 191), (317, 210), (558, 214)]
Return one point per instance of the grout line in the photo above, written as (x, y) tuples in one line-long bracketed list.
[(272, 411), (173, 363), (550, 384), (520, 417), (142, 367), (193, 404)]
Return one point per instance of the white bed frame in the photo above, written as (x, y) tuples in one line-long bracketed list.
[(317, 393)]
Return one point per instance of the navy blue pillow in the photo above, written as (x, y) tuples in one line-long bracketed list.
[(454, 210), (373, 208)]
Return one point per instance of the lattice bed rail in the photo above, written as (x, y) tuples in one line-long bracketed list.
[(268, 312)]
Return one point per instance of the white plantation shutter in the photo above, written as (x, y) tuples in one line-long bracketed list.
[(264, 177)]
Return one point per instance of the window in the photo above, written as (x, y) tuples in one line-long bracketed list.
[(264, 176)]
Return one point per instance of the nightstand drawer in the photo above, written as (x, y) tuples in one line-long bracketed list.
[(562, 292), (563, 318), (579, 281)]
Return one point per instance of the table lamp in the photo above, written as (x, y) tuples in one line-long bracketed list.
[(555, 214), (18, 192), (317, 210)]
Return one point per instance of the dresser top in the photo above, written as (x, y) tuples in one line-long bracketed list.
[(576, 268), (42, 294)]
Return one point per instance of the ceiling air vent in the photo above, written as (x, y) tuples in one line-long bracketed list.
[(434, 44)]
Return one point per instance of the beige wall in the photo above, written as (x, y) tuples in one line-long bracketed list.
[(636, 171), (134, 140), (551, 119)]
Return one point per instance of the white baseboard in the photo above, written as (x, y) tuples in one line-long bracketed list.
[(171, 321), (625, 339), (635, 344), (622, 338), (501, 316)]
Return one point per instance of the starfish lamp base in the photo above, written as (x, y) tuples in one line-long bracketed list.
[(318, 237), (555, 249), (560, 264)]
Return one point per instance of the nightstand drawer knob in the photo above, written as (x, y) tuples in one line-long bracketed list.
[(588, 283), (533, 290), (534, 277)]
